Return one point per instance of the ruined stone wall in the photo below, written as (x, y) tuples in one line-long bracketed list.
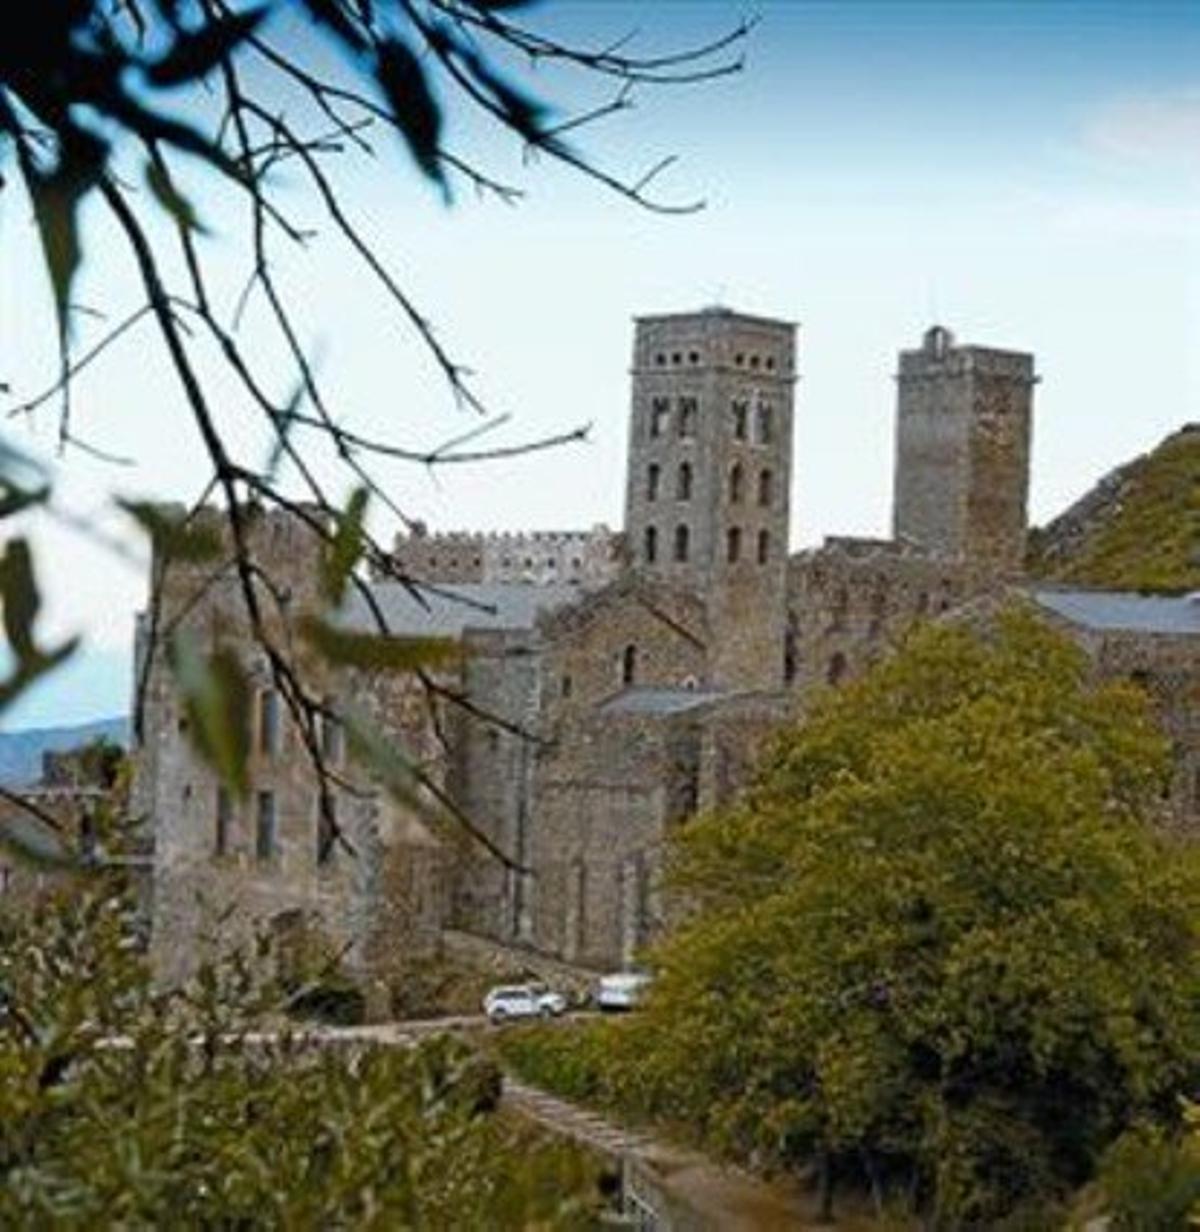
[(851, 600), (586, 558)]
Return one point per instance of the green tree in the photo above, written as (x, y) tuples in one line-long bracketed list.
[(940, 940)]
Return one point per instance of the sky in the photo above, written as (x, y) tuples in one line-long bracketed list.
[(1027, 174)]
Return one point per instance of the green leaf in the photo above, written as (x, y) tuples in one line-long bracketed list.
[(171, 199), (216, 698), (175, 535), (346, 550), (375, 652)]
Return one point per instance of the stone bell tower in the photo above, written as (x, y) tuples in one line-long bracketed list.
[(708, 482), (963, 426)]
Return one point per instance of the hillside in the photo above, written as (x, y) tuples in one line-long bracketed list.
[(21, 751), (1137, 529)]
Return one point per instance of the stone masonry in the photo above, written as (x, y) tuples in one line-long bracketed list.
[(611, 684)]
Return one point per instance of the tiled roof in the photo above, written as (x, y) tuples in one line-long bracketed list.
[(1124, 611), (445, 611)]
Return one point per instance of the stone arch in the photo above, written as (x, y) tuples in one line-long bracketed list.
[(682, 542), (735, 484)]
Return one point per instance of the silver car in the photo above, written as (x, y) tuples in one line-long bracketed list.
[(523, 1001)]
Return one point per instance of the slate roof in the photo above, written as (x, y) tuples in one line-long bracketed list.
[(1124, 611), (447, 610), (659, 701)]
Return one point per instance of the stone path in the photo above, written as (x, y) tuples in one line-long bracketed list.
[(571, 1121)]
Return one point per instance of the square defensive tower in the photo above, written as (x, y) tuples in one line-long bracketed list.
[(708, 483), (963, 428)]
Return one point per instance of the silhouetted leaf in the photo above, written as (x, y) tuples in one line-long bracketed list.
[(21, 599), (21, 602), (341, 556), (524, 112), (331, 14), (217, 701), (386, 761), (374, 652), (197, 53), (403, 81), (173, 534), (14, 498), (56, 196), (172, 200)]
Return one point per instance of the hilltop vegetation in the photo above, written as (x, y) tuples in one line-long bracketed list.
[(1138, 529), (938, 947)]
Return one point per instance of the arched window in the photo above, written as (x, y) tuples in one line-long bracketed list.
[(660, 410), (651, 545), (764, 546), (683, 484), (878, 612), (789, 657), (735, 484), (837, 668), (741, 413), (733, 544), (764, 488), (765, 423), (652, 473), (629, 665), (681, 543), (688, 408), (840, 608)]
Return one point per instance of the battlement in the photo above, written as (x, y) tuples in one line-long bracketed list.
[(540, 557), (940, 356)]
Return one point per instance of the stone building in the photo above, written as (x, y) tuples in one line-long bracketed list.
[(609, 685)]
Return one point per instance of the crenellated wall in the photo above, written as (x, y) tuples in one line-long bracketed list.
[(585, 558)]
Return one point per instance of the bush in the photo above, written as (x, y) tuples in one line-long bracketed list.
[(1150, 1180), (126, 1107)]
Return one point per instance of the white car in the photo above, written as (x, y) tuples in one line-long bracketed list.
[(523, 1001), (621, 990)]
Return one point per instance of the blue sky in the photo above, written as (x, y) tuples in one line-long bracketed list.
[(1027, 174)]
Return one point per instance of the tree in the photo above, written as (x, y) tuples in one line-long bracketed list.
[(939, 940), (90, 109)]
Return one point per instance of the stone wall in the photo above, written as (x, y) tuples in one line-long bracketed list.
[(217, 875), (637, 632), (1168, 668), (587, 558), (851, 600), (963, 425), (708, 483)]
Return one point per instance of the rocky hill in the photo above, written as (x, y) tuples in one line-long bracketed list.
[(1137, 529), (21, 751)]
